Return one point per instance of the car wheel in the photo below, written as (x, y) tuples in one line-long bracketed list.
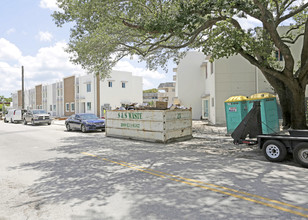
[(274, 151), (5, 121), (68, 127), (49, 123), (83, 129), (32, 122), (300, 154), (11, 120), (25, 122)]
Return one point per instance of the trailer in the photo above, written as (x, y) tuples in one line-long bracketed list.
[(275, 147)]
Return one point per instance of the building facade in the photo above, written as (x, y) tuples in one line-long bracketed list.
[(166, 92), (83, 94), (213, 83)]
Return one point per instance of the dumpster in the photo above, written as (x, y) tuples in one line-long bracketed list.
[(162, 126), (269, 111), (236, 110)]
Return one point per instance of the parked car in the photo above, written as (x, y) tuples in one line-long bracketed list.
[(14, 116), (85, 122), (36, 116)]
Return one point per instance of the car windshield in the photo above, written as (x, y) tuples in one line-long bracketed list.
[(39, 112), (88, 116)]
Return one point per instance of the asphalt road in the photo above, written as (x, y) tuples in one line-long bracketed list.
[(49, 173)]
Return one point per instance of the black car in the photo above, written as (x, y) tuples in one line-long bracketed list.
[(85, 122)]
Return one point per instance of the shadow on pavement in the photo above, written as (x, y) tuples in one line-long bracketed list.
[(111, 191)]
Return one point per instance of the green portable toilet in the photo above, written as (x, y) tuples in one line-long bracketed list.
[(269, 111), (236, 110)]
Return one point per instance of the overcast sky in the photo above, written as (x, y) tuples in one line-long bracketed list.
[(30, 38)]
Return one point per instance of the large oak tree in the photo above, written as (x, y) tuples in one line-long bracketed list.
[(105, 31)]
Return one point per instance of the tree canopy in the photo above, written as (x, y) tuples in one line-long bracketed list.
[(158, 30), (150, 90)]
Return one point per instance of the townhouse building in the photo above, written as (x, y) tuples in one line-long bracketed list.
[(166, 92), (83, 94), (214, 83)]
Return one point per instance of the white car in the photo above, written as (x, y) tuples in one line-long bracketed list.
[(14, 116)]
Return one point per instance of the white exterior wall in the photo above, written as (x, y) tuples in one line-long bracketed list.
[(84, 96), (190, 82), (60, 99), (15, 100), (233, 76), (116, 95), (209, 93)]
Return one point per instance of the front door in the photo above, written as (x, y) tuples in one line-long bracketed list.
[(206, 110)]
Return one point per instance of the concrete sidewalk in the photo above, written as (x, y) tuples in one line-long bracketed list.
[(58, 122)]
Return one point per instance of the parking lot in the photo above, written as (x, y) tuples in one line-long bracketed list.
[(47, 172)]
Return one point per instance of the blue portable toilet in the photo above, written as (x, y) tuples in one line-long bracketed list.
[(269, 111), (236, 110)]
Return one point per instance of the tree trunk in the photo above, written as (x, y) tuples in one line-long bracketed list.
[(292, 102), (298, 114)]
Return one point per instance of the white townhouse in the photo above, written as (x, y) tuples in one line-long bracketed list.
[(119, 89), (83, 94), (204, 86)]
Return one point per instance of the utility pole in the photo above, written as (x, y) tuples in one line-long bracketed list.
[(22, 88)]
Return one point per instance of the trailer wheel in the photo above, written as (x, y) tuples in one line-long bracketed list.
[(274, 151), (300, 154)]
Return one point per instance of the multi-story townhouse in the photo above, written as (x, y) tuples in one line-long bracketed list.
[(84, 94), (49, 98), (150, 97), (166, 92), (59, 99), (214, 83), (120, 88)]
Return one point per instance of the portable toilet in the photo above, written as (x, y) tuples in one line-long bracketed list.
[(269, 111), (236, 110)]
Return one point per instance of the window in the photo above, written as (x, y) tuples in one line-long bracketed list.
[(67, 107), (72, 106), (123, 84), (109, 84), (212, 102), (89, 106), (212, 68), (205, 71), (77, 89), (89, 87), (50, 108), (278, 55), (54, 107)]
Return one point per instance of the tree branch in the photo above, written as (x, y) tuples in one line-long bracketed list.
[(292, 13), (267, 69)]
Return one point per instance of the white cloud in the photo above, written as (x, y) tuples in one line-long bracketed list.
[(49, 65), (10, 78), (137, 71), (49, 4), (10, 31), (8, 51), (45, 36)]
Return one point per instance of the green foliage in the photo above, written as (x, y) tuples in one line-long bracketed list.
[(157, 31), (150, 90)]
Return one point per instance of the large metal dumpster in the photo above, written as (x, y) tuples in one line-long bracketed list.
[(150, 125)]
